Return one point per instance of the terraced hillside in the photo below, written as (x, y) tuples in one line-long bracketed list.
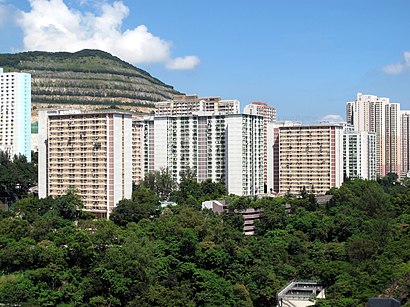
[(87, 79)]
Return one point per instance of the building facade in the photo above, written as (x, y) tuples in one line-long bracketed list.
[(90, 153), (405, 143), (137, 150), (15, 113), (359, 154), (244, 154), (182, 105), (226, 148), (269, 117), (377, 114), (310, 157)]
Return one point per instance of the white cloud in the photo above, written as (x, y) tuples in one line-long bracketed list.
[(398, 68), (52, 26), (334, 118), (184, 63)]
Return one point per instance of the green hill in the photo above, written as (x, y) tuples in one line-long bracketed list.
[(90, 78)]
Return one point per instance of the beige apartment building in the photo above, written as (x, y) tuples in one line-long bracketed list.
[(405, 143), (185, 105), (310, 157), (90, 153), (137, 150)]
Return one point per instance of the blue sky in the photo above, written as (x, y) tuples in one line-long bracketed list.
[(306, 58)]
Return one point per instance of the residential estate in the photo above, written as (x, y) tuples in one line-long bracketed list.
[(99, 154)]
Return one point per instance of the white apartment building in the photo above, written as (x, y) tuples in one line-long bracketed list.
[(182, 105), (269, 117), (244, 154), (224, 148), (377, 114), (191, 142), (90, 153), (310, 157), (359, 154), (15, 113)]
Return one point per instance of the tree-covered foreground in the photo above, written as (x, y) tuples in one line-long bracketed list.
[(53, 254)]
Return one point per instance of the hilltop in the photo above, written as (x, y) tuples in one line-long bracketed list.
[(87, 79)]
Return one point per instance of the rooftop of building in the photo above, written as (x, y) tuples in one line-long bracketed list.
[(323, 124), (301, 290), (59, 112)]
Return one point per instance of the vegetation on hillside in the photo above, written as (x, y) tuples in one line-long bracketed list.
[(52, 254), (86, 77)]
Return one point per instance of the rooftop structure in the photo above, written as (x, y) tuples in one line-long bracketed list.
[(183, 105), (300, 294), (383, 302)]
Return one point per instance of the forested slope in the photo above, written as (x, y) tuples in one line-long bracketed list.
[(358, 245), (88, 77)]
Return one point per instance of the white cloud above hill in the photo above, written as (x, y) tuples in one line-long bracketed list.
[(51, 25)]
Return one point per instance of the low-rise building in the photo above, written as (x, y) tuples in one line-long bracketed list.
[(300, 294)]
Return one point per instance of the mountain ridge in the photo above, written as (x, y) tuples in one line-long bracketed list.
[(88, 78)]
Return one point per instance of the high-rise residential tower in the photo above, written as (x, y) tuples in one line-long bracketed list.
[(405, 143), (310, 157), (90, 153), (269, 117), (224, 148), (377, 114), (15, 113)]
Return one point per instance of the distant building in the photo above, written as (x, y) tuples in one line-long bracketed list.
[(182, 105), (377, 114), (90, 153), (383, 302), (138, 150), (261, 108), (250, 215), (15, 113), (269, 117), (405, 143), (300, 294), (310, 157)]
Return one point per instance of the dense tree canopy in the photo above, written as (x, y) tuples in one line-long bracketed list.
[(357, 245), (16, 177)]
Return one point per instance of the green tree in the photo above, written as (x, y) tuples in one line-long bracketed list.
[(161, 182), (16, 177), (144, 204)]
